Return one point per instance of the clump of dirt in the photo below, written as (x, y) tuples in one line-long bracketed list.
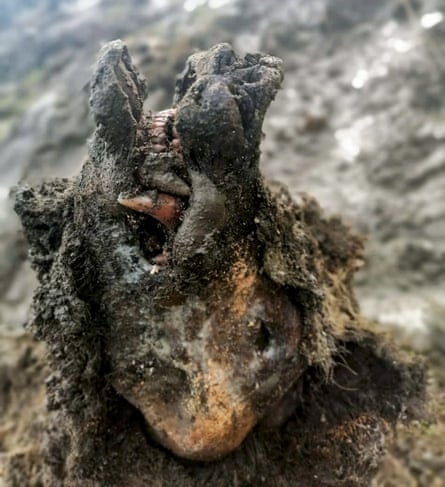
[(201, 325), (22, 409)]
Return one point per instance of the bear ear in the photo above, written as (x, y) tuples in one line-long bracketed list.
[(219, 89), (44, 210), (118, 92)]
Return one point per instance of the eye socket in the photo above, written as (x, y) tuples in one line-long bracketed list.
[(263, 338)]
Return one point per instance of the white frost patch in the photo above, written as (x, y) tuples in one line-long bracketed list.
[(4, 192), (389, 29), (190, 5), (411, 322), (409, 316), (81, 6), (400, 45), (431, 19), (291, 93), (86, 4), (381, 71), (362, 76), (270, 353), (135, 270), (160, 3), (348, 143), (350, 140), (218, 3), (4, 196), (360, 79)]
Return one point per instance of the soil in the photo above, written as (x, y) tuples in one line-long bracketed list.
[(22, 406)]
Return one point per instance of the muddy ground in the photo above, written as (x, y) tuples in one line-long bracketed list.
[(359, 125)]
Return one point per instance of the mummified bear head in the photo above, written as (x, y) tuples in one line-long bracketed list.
[(176, 285)]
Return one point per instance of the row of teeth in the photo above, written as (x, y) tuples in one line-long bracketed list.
[(158, 132), (165, 208)]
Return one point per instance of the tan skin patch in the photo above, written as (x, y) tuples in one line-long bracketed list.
[(217, 412), (215, 416), (202, 430), (243, 279)]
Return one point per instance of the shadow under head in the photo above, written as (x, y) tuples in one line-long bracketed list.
[(201, 325)]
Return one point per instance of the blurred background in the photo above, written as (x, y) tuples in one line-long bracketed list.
[(359, 124)]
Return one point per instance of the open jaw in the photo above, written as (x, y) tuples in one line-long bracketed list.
[(216, 363), (165, 197)]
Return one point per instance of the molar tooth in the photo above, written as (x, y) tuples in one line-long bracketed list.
[(175, 144), (165, 115), (158, 140), (169, 112), (158, 131)]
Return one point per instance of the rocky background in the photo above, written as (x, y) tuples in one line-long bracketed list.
[(359, 124)]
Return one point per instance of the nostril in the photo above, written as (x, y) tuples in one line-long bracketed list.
[(263, 338)]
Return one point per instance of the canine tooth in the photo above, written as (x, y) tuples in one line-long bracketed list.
[(165, 209)]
